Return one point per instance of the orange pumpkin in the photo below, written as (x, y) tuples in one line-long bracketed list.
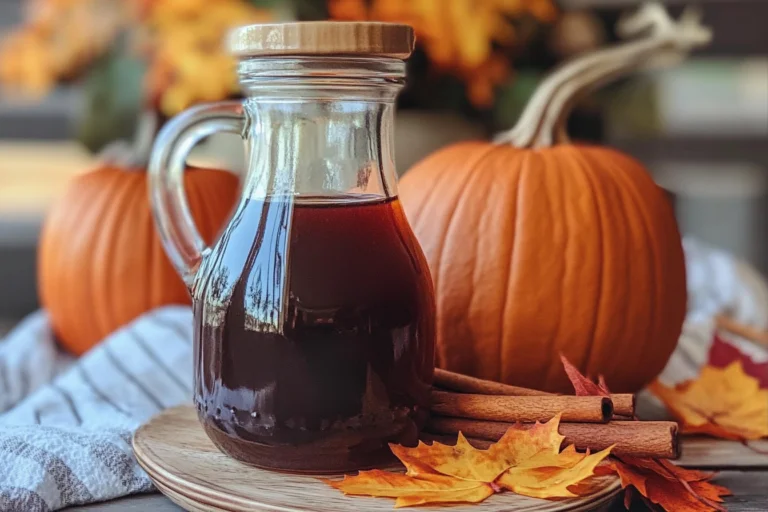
[(100, 261), (539, 246)]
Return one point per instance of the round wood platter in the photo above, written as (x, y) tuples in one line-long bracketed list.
[(185, 466)]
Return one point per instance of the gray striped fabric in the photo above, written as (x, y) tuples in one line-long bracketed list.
[(66, 425)]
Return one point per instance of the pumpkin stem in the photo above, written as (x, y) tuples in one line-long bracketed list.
[(134, 155), (542, 123)]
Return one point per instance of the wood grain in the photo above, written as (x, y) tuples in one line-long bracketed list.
[(185, 466), (593, 409), (750, 490), (323, 38), (709, 453)]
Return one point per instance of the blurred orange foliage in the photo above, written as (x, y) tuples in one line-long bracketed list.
[(181, 40), (463, 37)]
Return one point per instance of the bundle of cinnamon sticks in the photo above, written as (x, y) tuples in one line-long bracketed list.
[(483, 411)]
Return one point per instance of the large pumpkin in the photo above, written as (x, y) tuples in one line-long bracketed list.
[(100, 261), (539, 246)]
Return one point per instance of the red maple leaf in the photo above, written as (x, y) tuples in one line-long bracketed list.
[(722, 353), (581, 384)]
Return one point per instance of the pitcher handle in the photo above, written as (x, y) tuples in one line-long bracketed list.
[(178, 232)]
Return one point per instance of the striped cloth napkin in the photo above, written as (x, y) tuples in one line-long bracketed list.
[(66, 425)]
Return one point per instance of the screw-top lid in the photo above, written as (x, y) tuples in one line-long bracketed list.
[(323, 38)]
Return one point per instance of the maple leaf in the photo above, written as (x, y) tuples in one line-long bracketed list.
[(582, 385), (722, 402), (722, 353), (671, 487), (527, 462), (658, 481), (411, 491)]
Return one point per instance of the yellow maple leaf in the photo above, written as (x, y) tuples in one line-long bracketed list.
[(410, 491), (722, 402), (548, 476), (527, 462)]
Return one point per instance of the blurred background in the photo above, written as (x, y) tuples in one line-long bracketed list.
[(79, 74)]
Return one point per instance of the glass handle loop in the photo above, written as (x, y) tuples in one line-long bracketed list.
[(181, 239)]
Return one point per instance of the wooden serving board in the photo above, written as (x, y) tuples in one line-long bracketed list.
[(190, 470)]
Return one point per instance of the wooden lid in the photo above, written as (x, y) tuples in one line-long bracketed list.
[(323, 38)]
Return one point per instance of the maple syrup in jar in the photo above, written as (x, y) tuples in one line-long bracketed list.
[(314, 311), (326, 363)]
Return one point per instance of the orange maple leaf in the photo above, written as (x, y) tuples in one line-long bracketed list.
[(658, 481), (527, 462), (721, 402), (671, 487)]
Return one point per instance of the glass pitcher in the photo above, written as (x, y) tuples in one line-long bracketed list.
[(314, 310)]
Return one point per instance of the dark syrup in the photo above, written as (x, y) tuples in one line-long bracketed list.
[(315, 334)]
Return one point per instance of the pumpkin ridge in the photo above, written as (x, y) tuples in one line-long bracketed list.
[(147, 230), (472, 169), (634, 194), (123, 302), (488, 210), (120, 224), (51, 239), (431, 191), (84, 298), (415, 214), (673, 252), (623, 195), (583, 165), (512, 260), (625, 223), (101, 275), (473, 174), (553, 345), (606, 173)]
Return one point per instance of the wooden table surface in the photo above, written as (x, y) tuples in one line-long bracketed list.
[(749, 486)]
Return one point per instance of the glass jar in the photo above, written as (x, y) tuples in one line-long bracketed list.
[(314, 310)]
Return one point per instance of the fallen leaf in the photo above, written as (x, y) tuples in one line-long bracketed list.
[(722, 402), (722, 353), (527, 462), (411, 491), (582, 385), (654, 480), (552, 476), (673, 488)]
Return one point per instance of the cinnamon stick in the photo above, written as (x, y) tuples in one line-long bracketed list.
[(593, 409), (657, 439), (468, 384), (623, 403)]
